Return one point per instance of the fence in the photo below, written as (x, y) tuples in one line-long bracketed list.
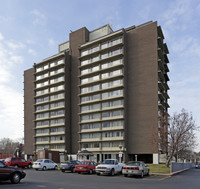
[(179, 167)]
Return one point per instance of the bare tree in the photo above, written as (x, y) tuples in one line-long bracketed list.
[(181, 134), (8, 146)]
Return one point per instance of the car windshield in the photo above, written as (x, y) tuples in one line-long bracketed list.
[(67, 162), (8, 159), (84, 163), (108, 162), (39, 160), (133, 163)]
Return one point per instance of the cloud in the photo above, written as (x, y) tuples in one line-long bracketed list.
[(11, 99), (11, 112), (39, 18), (32, 52), (1, 37), (14, 45)]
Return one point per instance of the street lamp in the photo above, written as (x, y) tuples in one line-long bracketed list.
[(120, 153)]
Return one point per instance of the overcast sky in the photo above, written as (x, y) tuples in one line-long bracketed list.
[(30, 30)]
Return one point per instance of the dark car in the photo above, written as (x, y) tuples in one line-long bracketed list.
[(11, 173), (69, 166), (18, 162), (197, 165)]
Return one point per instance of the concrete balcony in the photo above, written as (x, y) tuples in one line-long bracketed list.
[(113, 138)]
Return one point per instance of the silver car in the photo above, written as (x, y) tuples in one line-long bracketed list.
[(135, 168)]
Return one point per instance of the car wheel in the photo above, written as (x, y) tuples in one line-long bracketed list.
[(98, 174), (15, 178), (125, 175), (79, 172), (63, 170), (44, 168), (16, 166), (148, 173), (112, 172), (36, 169), (142, 174), (29, 166), (90, 172), (56, 167)]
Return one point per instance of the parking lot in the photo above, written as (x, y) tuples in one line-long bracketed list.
[(57, 180)]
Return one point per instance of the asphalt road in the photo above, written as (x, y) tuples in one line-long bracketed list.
[(58, 180)]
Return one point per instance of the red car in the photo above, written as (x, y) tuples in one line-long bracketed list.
[(86, 166), (18, 162)]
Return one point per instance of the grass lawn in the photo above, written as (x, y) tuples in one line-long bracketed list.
[(160, 168)]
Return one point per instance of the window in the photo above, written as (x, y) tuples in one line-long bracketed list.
[(57, 96), (42, 139), (55, 63), (90, 117), (41, 68), (57, 105), (89, 107), (112, 94), (42, 123), (57, 88), (42, 107), (56, 71), (90, 50), (57, 113), (41, 92), (57, 121), (42, 115), (112, 113), (42, 84), (90, 89), (90, 126), (56, 80), (90, 145), (111, 43), (111, 84), (57, 129), (57, 138), (90, 79), (90, 60), (89, 136), (111, 53), (42, 131), (111, 63), (41, 146), (112, 103), (41, 76)]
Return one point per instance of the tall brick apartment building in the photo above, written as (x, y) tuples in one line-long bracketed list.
[(104, 90)]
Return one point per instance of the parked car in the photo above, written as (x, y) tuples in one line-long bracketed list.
[(18, 162), (44, 164), (197, 165), (11, 173), (135, 168), (69, 166), (109, 167), (86, 166)]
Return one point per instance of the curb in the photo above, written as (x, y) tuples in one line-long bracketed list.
[(162, 174), (174, 173)]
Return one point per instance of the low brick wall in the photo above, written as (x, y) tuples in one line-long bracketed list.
[(179, 167)]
